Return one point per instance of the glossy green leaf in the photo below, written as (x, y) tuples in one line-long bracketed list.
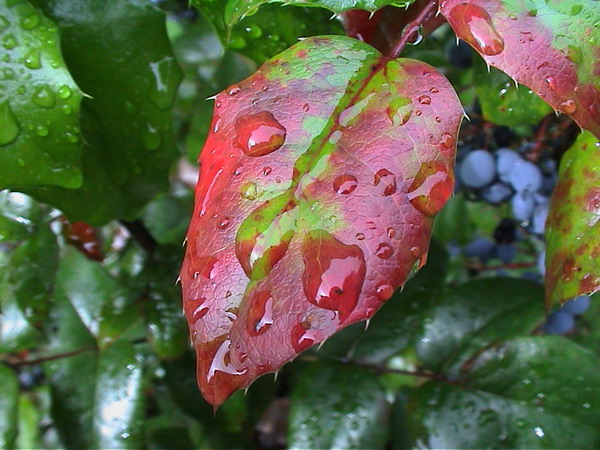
[(238, 9), (166, 218), (476, 314), (18, 214), (39, 103), (270, 30), (515, 395), (9, 401), (454, 223), (352, 415), (119, 400), (100, 302), (121, 57), (504, 103), (573, 224)]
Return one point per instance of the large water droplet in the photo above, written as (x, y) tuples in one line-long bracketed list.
[(259, 134), (424, 100), (345, 184), (260, 316), (473, 24), (431, 188), (9, 126), (333, 272), (384, 251), (44, 97), (151, 137), (199, 312), (302, 336), (30, 22), (249, 190), (205, 266), (568, 107), (33, 59), (222, 362), (64, 92), (384, 292), (385, 181)]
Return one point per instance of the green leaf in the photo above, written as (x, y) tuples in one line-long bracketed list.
[(454, 223), (119, 398), (100, 302), (18, 214), (502, 102), (517, 395), (9, 400), (572, 227), (337, 406), (477, 314), (167, 216), (268, 31), (39, 103), (121, 57), (30, 417), (238, 9)]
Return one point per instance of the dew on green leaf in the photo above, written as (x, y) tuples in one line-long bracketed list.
[(254, 31), (152, 139), (64, 92), (30, 22), (33, 59), (10, 42), (42, 130), (9, 126), (237, 42), (44, 97), (166, 81)]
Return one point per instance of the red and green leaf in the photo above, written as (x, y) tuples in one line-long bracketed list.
[(551, 46), (573, 225), (319, 181)]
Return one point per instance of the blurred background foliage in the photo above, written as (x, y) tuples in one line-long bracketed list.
[(93, 343)]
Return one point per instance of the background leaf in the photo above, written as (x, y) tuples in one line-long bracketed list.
[(126, 119), (39, 103), (9, 406)]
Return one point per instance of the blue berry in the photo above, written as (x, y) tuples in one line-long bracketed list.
[(496, 193), (522, 205), (577, 306), (481, 248), (505, 252), (541, 262), (526, 177), (478, 169), (505, 161), (559, 322), (538, 223)]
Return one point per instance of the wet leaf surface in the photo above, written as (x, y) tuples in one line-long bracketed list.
[(515, 395), (122, 59), (573, 224), (468, 318), (344, 417), (318, 186), (39, 103), (553, 47)]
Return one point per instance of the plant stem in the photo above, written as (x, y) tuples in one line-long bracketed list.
[(140, 234), (33, 362), (412, 27)]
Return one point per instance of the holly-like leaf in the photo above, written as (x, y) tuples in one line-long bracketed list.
[(348, 417), (319, 182), (235, 10), (121, 57), (573, 224), (502, 102), (551, 46), (515, 395), (269, 30), (39, 103)]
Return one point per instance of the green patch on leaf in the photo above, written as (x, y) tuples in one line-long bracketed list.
[(39, 103), (573, 224)]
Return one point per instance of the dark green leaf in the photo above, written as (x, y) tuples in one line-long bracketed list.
[(502, 102), (167, 216), (337, 406), (454, 223), (477, 314), (121, 57), (18, 214), (119, 398), (9, 398), (270, 30), (518, 395), (39, 103), (101, 304)]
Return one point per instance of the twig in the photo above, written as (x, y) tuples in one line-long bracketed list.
[(140, 234), (13, 362), (508, 266), (411, 28)]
